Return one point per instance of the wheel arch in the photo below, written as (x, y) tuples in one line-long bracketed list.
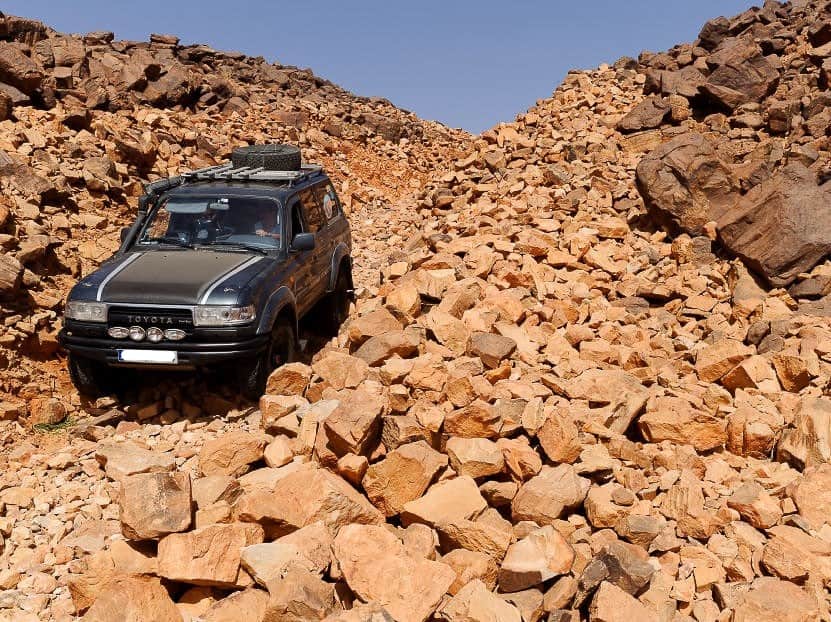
[(281, 304), (340, 258)]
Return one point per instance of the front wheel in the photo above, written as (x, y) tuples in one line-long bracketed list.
[(92, 378), (253, 373)]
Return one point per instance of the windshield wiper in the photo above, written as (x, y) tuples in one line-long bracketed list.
[(170, 240), (248, 247)]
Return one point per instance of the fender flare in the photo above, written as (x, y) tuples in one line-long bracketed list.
[(278, 302), (341, 251)]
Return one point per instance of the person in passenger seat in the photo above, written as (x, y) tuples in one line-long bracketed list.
[(268, 225)]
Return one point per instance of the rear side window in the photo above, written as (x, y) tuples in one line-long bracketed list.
[(314, 216), (328, 199)]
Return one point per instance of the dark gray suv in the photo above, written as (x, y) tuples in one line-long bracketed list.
[(219, 266)]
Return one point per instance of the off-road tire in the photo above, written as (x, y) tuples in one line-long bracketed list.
[(253, 373), (270, 157), (335, 306), (92, 378)]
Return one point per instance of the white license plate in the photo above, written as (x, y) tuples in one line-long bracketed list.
[(159, 357)]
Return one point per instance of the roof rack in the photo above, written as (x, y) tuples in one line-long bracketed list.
[(227, 172)]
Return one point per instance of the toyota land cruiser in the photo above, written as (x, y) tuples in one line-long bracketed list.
[(219, 266)]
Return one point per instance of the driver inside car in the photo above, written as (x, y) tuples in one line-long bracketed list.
[(268, 224), (207, 226)]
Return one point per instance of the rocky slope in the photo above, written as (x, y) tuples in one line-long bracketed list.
[(562, 396)]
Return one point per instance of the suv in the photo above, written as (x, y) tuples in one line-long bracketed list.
[(219, 267)]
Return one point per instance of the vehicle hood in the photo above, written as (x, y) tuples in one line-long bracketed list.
[(178, 277)]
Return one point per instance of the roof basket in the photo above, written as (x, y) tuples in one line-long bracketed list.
[(227, 172)]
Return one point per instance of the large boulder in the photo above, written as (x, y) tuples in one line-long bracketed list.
[(377, 567), (18, 69), (685, 184), (741, 75), (781, 227)]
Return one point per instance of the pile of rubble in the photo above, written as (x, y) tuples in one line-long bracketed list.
[(543, 406)]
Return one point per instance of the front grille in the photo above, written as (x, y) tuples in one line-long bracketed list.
[(151, 316)]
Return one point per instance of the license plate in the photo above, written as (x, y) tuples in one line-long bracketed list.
[(158, 357)]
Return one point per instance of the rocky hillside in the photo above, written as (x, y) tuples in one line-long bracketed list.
[(562, 396), (84, 120)]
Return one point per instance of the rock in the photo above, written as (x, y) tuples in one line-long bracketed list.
[(305, 497), (18, 69), (808, 443), (712, 362), (476, 603), (154, 504), (372, 324), (289, 379), (340, 370), (445, 502), (685, 184), (475, 457), (619, 395), (625, 566), (208, 556), (601, 508), (794, 555), (355, 425), (777, 228), (743, 75), (675, 419), (772, 600), (11, 271), (46, 411), (299, 596), (231, 454), (792, 372), (308, 548), (610, 603), (132, 599), (369, 612), (648, 114), (812, 495), (706, 566), (544, 498), (491, 348), (402, 476), (469, 566), (755, 506), (376, 350), (122, 459), (249, 604), (278, 452), (540, 556), (377, 568), (558, 438)]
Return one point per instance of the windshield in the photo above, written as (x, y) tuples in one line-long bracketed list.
[(215, 221)]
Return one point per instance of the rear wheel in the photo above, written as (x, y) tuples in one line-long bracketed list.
[(336, 305), (92, 378), (253, 373)]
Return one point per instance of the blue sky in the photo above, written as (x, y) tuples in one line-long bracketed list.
[(465, 63)]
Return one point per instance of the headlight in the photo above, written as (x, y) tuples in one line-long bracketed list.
[(221, 315), (86, 311)]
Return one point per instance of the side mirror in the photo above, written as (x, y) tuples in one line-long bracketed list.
[(125, 231), (303, 242)]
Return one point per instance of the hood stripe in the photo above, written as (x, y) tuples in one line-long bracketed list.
[(130, 259), (226, 276)]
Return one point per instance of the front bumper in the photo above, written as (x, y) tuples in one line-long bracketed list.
[(190, 354)]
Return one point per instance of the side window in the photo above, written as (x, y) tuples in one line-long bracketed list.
[(296, 219), (328, 199), (311, 209)]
